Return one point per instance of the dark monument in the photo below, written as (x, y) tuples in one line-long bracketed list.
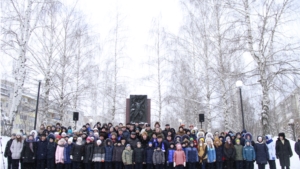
[(138, 109)]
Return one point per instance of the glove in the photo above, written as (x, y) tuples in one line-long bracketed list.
[(81, 157), (174, 164), (71, 157), (184, 164)]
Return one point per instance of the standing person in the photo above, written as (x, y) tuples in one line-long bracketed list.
[(297, 146), (51, 147), (16, 149), (179, 157), (138, 156), (191, 156), (28, 153), (249, 154), (262, 154), (7, 152), (98, 155), (88, 153), (117, 155), (77, 153), (59, 153), (158, 158), (67, 153), (211, 153), (108, 153), (170, 155), (219, 152), (149, 156), (272, 151), (239, 154), (229, 152), (283, 151), (202, 152), (41, 152), (127, 157)]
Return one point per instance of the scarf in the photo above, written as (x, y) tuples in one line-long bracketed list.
[(269, 141)]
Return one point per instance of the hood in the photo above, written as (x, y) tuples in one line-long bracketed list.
[(178, 146), (248, 134), (61, 142), (35, 133), (200, 134), (208, 139), (108, 140), (51, 136), (268, 137), (209, 135), (177, 139), (185, 138), (281, 134)]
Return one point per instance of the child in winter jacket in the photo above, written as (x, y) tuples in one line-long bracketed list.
[(98, 154), (170, 154), (28, 152), (238, 154), (219, 152), (77, 153), (248, 154), (59, 153), (261, 151), (117, 155), (271, 150), (41, 152), (191, 156), (16, 149), (211, 153), (127, 157), (202, 152), (67, 151), (158, 158), (88, 153), (138, 156), (51, 147), (229, 152), (149, 156), (179, 157), (108, 153)]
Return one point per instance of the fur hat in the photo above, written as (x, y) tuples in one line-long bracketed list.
[(282, 135)]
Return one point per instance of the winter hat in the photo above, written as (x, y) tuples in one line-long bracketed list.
[(207, 140), (79, 139), (70, 140), (268, 137), (63, 134), (89, 139), (191, 139), (18, 134), (202, 139), (282, 135), (128, 145), (51, 136), (61, 142), (237, 140), (150, 142), (99, 141), (260, 137), (228, 138)]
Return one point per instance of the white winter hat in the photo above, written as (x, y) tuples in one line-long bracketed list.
[(99, 141), (70, 139)]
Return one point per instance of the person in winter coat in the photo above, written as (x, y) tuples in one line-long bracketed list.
[(229, 152), (170, 154), (67, 153), (297, 146), (132, 140), (99, 155), (239, 154), (219, 152), (117, 155), (88, 153), (191, 156), (180, 131), (158, 158), (272, 151), (283, 151), (59, 154), (249, 154), (202, 152), (77, 153), (41, 152), (149, 156), (211, 153), (262, 154), (138, 156), (108, 153), (127, 157), (28, 153), (179, 157), (7, 152), (51, 147), (248, 136), (16, 149)]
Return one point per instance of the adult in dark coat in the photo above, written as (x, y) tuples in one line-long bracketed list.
[(149, 156), (88, 153), (7, 152), (297, 146), (109, 148), (133, 140), (28, 153), (283, 151), (138, 156), (261, 151), (77, 153), (41, 152), (117, 155), (229, 152), (51, 148)]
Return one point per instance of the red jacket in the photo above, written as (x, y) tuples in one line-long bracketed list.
[(179, 156)]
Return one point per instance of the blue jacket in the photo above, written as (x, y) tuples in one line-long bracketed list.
[(108, 153), (170, 155), (219, 153), (67, 152), (41, 152), (261, 151), (248, 153), (211, 155), (149, 155), (191, 155), (51, 148)]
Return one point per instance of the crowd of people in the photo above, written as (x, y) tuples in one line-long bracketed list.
[(140, 147)]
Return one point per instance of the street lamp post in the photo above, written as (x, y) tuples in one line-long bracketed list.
[(239, 84), (37, 101)]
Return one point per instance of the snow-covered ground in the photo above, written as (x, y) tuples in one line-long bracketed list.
[(295, 161)]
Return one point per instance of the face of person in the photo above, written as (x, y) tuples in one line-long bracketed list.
[(172, 146), (248, 143), (123, 141), (138, 145), (238, 142), (238, 136), (51, 140), (281, 138), (167, 127), (259, 139), (180, 129), (144, 137), (159, 140)]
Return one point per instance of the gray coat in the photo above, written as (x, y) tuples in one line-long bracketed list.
[(16, 149), (158, 157)]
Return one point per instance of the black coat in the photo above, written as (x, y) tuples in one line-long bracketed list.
[(145, 142), (138, 155), (7, 151), (51, 148), (88, 153), (117, 154), (77, 152), (219, 153), (284, 152), (28, 154), (133, 142), (261, 153), (41, 150), (297, 148), (229, 152), (149, 155)]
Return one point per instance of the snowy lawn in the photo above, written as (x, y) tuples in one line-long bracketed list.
[(295, 162)]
